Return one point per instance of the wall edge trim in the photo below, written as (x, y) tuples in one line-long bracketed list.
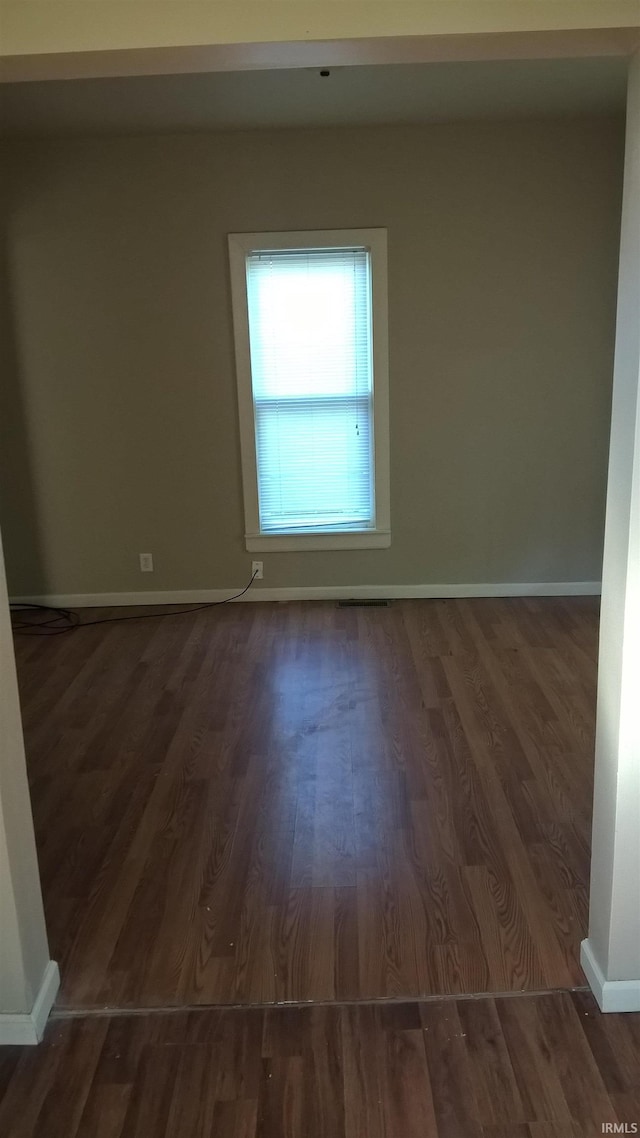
[(24, 1030), (317, 593), (611, 995)]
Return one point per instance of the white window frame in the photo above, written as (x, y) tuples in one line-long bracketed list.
[(375, 241)]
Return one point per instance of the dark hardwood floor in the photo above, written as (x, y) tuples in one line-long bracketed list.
[(517, 1067), (298, 802)]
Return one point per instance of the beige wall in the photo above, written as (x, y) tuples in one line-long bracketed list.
[(502, 276)]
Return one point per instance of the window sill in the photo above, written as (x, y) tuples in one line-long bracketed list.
[(291, 542)]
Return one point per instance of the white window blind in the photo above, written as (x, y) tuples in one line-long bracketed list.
[(310, 337)]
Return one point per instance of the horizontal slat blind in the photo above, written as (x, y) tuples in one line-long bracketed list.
[(311, 347)]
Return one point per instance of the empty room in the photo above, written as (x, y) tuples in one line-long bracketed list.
[(320, 510)]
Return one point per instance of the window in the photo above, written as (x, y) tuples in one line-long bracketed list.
[(311, 352)]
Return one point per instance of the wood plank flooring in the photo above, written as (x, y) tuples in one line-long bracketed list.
[(264, 802), (516, 1067)]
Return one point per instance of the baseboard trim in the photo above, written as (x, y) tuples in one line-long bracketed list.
[(318, 593), (611, 995), (27, 1029)]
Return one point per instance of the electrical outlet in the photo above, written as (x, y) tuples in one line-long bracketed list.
[(256, 570), (146, 562)]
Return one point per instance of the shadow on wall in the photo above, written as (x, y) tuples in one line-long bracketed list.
[(19, 520)]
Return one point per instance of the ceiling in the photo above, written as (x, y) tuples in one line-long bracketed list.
[(241, 100)]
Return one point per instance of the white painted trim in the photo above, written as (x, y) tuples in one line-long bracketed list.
[(611, 995), (288, 542), (318, 593), (28, 1029), (375, 241)]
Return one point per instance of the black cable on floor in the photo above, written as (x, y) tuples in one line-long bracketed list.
[(60, 620)]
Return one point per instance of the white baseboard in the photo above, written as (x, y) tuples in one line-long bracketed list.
[(611, 995), (318, 593), (27, 1029)]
